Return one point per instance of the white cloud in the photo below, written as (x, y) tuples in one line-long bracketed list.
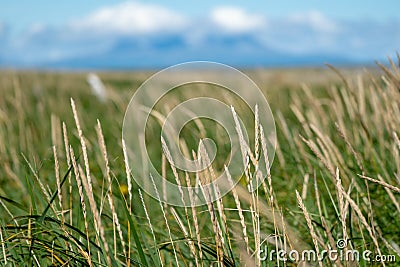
[(314, 19), (236, 20), (2, 28), (37, 28), (131, 18), (141, 33)]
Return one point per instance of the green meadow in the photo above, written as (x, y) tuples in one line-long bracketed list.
[(67, 197)]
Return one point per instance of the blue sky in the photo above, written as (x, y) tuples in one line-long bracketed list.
[(152, 34)]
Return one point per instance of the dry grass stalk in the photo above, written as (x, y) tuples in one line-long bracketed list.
[(3, 247), (110, 191), (397, 140), (129, 204), (87, 184), (392, 246), (194, 216), (392, 76), (256, 135), (165, 219), (217, 193), (265, 211), (18, 102), (56, 131), (331, 240), (243, 146), (41, 185), (328, 156), (364, 222), (164, 180), (249, 179), (267, 164), (58, 181), (305, 185), (207, 194), (315, 150), (381, 182), (300, 117), (96, 215), (390, 193), (396, 156), (168, 155), (83, 204), (326, 145), (128, 175), (310, 226), (68, 157), (240, 210), (221, 210), (342, 209), (83, 145), (186, 234), (150, 224), (13, 176), (317, 196), (9, 213), (346, 139)]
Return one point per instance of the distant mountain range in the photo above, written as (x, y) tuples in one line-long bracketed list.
[(167, 50)]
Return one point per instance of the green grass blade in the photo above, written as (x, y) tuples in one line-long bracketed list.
[(54, 195), (135, 236)]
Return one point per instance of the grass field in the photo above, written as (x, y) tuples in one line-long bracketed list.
[(67, 198)]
